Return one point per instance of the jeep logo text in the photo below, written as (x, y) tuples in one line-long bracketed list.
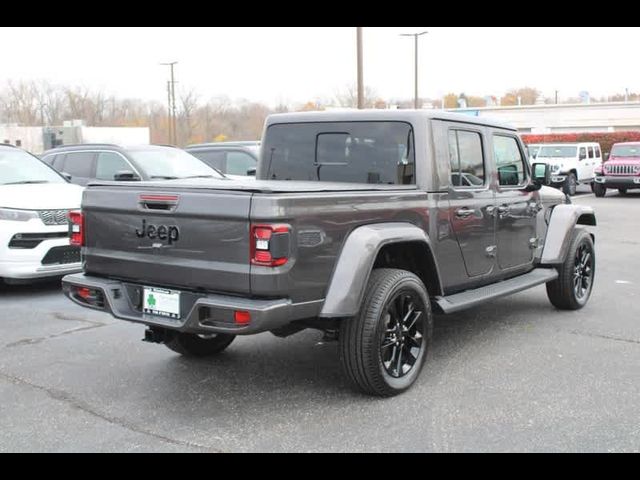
[(168, 233)]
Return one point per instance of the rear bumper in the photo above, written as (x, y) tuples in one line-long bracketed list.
[(35, 270), (200, 313), (611, 181)]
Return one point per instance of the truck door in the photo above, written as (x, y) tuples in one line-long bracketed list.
[(516, 208), (586, 166), (472, 199)]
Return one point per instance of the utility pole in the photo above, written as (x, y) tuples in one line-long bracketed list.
[(169, 114), (556, 97), (173, 136), (360, 71), (416, 36)]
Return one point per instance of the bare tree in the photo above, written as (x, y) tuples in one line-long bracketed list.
[(187, 124), (348, 97)]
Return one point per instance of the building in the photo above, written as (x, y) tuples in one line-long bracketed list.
[(571, 118), (38, 139)]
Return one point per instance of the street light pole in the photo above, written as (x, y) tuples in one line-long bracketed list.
[(360, 70), (415, 36)]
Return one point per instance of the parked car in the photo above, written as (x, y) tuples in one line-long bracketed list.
[(571, 164), (360, 224), (621, 171), (34, 229), (85, 163), (231, 158)]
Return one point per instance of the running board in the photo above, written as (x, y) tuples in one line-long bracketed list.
[(471, 298)]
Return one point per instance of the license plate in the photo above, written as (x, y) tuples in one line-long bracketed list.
[(162, 303)]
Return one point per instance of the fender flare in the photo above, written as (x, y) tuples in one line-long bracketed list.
[(563, 221), (356, 260)]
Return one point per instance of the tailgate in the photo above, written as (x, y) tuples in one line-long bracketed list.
[(193, 239)]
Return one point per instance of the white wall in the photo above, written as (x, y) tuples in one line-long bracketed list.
[(595, 117), (30, 137), (118, 135)]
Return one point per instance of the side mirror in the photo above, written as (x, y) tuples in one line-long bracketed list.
[(126, 176), (252, 172), (606, 156), (67, 176), (541, 174)]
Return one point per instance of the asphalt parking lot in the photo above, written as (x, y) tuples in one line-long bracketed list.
[(514, 375)]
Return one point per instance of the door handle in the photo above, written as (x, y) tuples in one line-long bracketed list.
[(465, 212)]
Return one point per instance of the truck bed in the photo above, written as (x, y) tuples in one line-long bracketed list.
[(212, 222)]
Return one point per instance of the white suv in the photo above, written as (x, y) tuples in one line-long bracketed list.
[(34, 229), (571, 163)]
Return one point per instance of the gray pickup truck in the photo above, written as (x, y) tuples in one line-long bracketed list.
[(361, 224)]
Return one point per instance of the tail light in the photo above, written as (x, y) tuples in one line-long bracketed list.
[(76, 228), (88, 296), (270, 245)]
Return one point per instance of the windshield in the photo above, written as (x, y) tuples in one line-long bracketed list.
[(626, 151), (20, 168), (171, 163), (352, 152), (533, 150), (552, 151)]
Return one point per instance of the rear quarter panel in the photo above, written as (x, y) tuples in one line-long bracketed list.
[(320, 223)]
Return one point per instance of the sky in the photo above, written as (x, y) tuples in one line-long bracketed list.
[(298, 64)]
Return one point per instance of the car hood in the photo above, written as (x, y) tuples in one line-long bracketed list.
[(554, 160), (53, 196), (623, 160)]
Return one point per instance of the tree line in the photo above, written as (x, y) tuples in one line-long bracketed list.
[(41, 103)]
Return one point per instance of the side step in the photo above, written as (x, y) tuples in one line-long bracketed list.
[(471, 298)]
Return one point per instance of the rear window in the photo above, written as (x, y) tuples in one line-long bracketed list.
[(352, 152)]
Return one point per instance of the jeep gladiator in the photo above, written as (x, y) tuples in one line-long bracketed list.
[(361, 224)]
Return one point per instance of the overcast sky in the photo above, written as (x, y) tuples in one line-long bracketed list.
[(297, 64)]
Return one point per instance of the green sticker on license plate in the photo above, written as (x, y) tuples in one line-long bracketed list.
[(162, 303)]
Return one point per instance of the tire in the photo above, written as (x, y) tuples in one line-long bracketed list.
[(600, 190), (570, 185), (192, 345), (572, 289), (371, 342), (593, 187), (622, 191)]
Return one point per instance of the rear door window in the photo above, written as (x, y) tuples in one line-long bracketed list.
[(590, 150), (466, 158), (79, 164)]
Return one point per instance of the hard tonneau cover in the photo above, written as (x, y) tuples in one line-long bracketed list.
[(257, 186)]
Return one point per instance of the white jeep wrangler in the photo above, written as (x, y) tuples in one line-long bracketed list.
[(571, 164)]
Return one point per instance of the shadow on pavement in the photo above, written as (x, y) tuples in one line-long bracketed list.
[(34, 287), (302, 367)]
